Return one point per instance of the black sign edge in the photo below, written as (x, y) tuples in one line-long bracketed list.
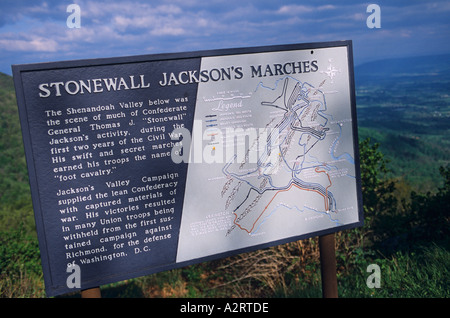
[(353, 109)]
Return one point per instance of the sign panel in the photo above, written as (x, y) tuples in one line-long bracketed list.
[(148, 163)]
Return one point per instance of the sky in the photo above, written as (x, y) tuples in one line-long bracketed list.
[(33, 31)]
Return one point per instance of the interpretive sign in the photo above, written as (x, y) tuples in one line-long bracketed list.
[(148, 163)]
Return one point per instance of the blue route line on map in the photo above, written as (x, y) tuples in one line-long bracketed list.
[(345, 155)]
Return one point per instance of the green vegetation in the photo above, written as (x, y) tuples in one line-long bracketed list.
[(406, 190), (404, 105), (14, 189)]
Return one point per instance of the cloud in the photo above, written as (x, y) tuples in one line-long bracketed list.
[(168, 30), (295, 9), (115, 28), (38, 44), (145, 19)]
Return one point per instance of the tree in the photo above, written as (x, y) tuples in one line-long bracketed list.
[(431, 216), (377, 189)]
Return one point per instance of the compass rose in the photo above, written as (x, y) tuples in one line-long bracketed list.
[(331, 71)]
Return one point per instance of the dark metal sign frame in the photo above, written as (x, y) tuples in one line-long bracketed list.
[(44, 88)]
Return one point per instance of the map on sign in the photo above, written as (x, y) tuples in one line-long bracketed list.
[(301, 126), (279, 155)]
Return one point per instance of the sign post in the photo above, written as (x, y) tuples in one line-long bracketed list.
[(91, 293), (148, 163), (328, 266)]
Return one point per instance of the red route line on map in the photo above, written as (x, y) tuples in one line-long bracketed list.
[(324, 196), (326, 189)]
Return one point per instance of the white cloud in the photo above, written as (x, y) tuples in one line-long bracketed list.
[(134, 17), (295, 9), (39, 9), (168, 9), (168, 30), (113, 28), (326, 7), (38, 44)]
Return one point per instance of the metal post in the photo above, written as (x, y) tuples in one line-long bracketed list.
[(328, 266), (91, 293)]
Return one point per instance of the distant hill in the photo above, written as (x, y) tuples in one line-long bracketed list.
[(425, 67), (404, 104)]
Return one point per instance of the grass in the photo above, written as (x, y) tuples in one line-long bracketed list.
[(424, 273), (421, 273)]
